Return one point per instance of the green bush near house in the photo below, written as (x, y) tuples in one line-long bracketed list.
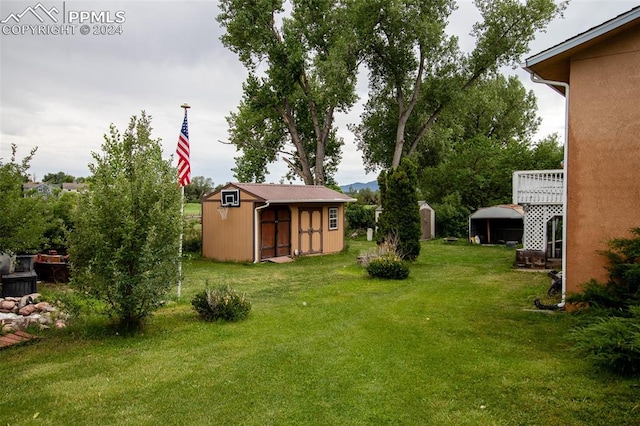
[(192, 236), (612, 343), (400, 216), (612, 340)]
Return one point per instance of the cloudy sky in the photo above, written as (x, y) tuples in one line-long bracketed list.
[(60, 92)]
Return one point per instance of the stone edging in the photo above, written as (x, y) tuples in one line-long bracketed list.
[(18, 313)]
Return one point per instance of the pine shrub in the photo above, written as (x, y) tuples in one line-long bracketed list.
[(401, 212), (222, 303), (612, 341)]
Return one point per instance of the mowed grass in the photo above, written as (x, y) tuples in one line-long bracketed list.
[(454, 344), (192, 209)]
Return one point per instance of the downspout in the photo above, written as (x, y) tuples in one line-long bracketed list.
[(256, 236), (536, 79)]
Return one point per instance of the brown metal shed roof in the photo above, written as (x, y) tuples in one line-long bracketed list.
[(293, 193)]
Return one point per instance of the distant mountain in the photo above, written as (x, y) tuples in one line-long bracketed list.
[(373, 186)]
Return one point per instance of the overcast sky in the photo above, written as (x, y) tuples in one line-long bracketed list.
[(61, 92)]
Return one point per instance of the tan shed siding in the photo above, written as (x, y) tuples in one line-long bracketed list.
[(229, 239), (604, 154), (232, 238), (208, 211), (334, 239)]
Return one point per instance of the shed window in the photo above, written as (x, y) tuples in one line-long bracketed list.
[(333, 218)]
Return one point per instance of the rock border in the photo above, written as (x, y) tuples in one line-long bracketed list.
[(19, 313)]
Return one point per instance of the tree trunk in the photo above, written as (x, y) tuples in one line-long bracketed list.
[(403, 113), (305, 171)]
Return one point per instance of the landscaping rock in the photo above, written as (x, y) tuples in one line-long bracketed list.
[(44, 307), (8, 328), (27, 310), (18, 313), (7, 306), (28, 300), (8, 317)]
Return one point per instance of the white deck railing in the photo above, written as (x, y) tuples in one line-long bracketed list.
[(538, 187)]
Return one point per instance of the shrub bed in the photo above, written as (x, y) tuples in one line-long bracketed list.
[(222, 303), (389, 266)]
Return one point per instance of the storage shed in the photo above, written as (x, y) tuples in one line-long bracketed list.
[(427, 221), (497, 224), (255, 222)]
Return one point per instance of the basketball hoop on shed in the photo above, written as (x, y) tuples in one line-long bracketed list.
[(223, 210)]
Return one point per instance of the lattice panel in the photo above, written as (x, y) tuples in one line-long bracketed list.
[(535, 225)]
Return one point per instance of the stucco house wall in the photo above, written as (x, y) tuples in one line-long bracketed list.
[(604, 155), (602, 68)]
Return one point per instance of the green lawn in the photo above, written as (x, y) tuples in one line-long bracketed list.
[(191, 209), (455, 344)]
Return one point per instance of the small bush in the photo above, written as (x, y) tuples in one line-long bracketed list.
[(612, 343), (222, 303), (389, 266), (386, 248), (601, 295)]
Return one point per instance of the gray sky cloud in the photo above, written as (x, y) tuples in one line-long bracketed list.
[(61, 92)]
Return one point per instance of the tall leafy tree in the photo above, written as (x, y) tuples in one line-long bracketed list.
[(23, 220), (490, 132), (417, 71), (58, 178), (124, 247), (486, 134), (199, 187), (302, 71), (61, 222)]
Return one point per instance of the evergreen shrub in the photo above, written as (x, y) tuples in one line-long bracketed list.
[(612, 341)]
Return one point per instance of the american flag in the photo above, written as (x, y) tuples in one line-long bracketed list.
[(184, 166)]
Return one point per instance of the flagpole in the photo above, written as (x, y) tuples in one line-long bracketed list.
[(184, 106), (180, 246)]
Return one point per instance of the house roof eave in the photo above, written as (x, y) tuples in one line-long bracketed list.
[(553, 63), (614, 25)]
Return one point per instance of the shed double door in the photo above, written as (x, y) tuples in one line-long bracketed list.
[(275, 231), (310, 232)]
